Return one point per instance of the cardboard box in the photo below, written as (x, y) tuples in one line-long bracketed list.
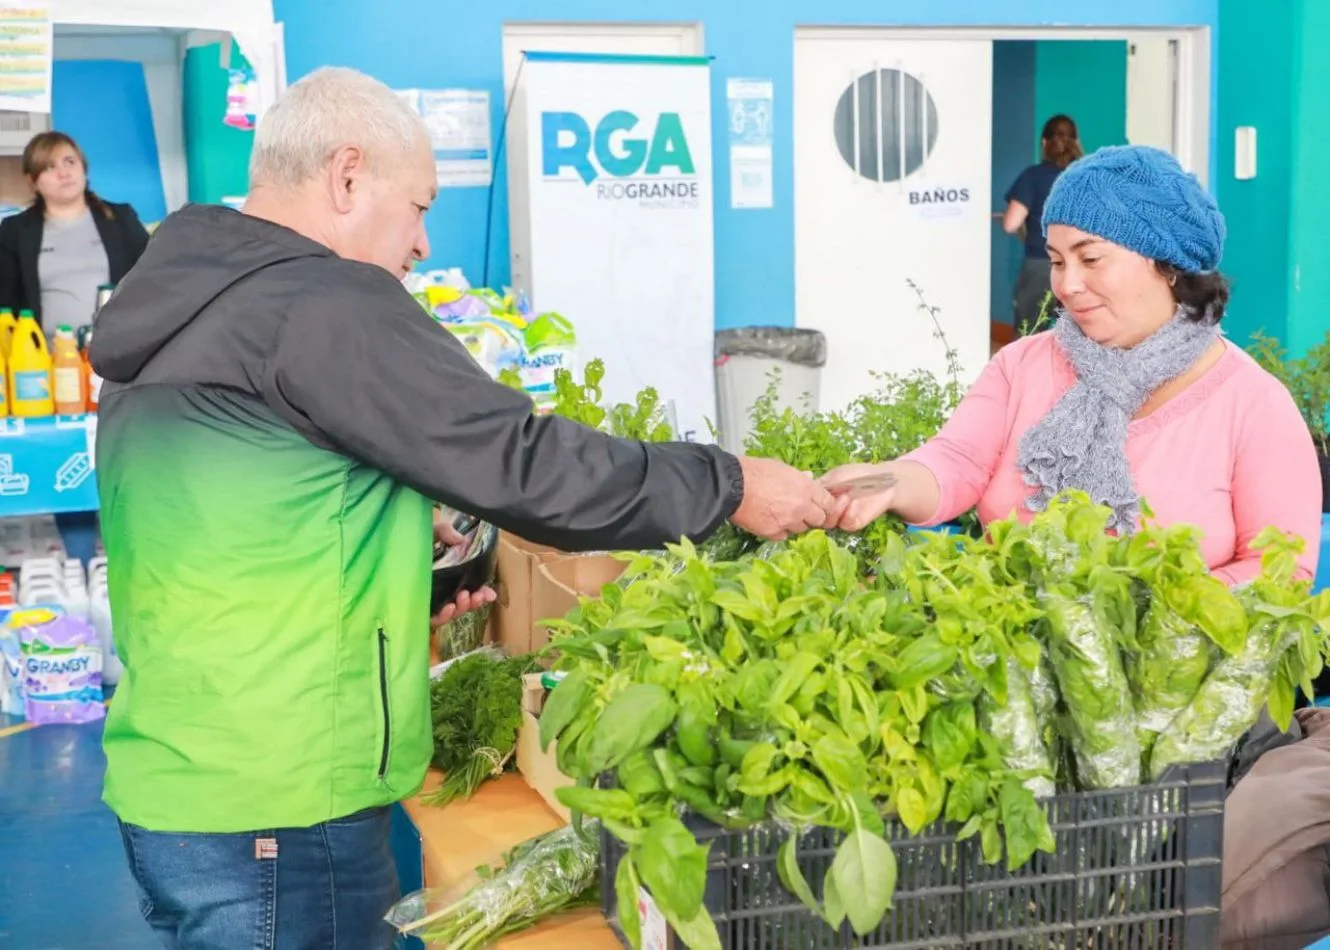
[(512, 620), (539, 769), (558, 582)]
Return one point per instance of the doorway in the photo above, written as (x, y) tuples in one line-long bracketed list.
[(894, 188), (1118, 91)]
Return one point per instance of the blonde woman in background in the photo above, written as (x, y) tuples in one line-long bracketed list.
[(55, 255)]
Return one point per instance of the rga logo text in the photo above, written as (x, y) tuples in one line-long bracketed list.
[(611, 150)]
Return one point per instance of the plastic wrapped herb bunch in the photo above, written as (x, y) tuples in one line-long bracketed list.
[(544, 876)]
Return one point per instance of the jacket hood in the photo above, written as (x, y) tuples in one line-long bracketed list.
[(194, 257)]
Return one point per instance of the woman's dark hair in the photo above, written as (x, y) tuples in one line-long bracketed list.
[(1198, 293), (39, 155), (1060, 141)]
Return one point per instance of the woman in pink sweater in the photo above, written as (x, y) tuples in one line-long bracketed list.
[(1134, 394)]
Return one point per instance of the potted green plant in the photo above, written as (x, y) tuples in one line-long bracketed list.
[(1308, 379)]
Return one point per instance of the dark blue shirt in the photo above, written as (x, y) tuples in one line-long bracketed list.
[(1031, 189)]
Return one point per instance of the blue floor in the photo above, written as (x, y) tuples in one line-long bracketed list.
[(63, 880)]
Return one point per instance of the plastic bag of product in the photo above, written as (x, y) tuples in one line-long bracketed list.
[(1021, 727), (539, 878), (1228, 703), (62, 667), (1087, 665)]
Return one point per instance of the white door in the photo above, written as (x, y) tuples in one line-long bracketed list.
[(892, 169), (1152, 91)]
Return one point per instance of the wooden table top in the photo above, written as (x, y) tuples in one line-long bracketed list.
[(503, 813)]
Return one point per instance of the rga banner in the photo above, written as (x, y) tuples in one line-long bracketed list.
[(619, 218)]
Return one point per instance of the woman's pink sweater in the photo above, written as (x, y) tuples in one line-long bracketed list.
[(1229, 454)]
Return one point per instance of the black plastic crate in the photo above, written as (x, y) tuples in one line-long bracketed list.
[(1134, 869)]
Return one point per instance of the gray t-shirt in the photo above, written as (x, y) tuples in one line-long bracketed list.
[(71, 266)]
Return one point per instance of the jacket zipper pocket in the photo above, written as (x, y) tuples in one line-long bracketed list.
[(383, 701)]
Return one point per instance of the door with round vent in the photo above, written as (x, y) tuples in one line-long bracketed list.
[(892, 169)]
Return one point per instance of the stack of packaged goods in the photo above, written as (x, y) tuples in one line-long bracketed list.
[(56, 644), (501, 331)]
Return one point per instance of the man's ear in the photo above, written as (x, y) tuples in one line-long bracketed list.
[(346, 174)]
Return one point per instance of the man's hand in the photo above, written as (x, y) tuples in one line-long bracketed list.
[(465, 601), (780, 500), (853, 513)]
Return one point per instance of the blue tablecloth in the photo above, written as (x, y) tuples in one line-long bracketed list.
[(46, 465)]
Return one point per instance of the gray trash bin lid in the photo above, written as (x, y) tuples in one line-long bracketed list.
[(792, 344)]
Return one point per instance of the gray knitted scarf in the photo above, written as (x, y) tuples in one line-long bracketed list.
[(1082, 442)]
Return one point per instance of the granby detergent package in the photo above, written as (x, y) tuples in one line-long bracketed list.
[(62, 666)]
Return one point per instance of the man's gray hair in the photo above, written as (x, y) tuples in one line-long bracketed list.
[(331, 108)]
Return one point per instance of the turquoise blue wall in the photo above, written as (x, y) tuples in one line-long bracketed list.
[(104, 106), (217, 154), (425, 43), (1309, 205), (1275, 76), (1255, 51), (1087, 80)]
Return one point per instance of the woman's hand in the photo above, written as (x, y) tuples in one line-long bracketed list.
[(854, 512)]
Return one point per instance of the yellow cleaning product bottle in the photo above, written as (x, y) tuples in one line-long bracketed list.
[(7, 327), (30, 370), (67, 374)]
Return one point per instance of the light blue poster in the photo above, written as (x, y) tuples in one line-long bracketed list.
[(459, 131), (750, 109)]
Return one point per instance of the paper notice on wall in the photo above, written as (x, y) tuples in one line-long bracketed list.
[(25, 56), (750, 109), (459, 132)]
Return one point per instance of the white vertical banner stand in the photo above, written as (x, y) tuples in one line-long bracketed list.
[(618, 219)]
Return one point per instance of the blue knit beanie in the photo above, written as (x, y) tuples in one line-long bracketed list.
[(1141, 199)]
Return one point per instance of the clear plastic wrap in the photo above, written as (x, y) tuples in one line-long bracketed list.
[(1019, 728), (1167, 672), (1087, 666), (541, 877), (1228, 704)]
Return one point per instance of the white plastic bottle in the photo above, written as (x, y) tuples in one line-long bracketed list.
[(99, 615)]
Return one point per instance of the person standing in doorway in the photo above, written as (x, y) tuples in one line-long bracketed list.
[(1060, 145)]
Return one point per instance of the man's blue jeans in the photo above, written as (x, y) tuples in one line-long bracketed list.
[(322, 888)]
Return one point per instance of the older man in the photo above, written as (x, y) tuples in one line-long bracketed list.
[(278, 415)]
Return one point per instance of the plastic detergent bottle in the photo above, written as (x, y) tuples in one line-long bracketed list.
[(67, 374), (8, 324), (30, 370)]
